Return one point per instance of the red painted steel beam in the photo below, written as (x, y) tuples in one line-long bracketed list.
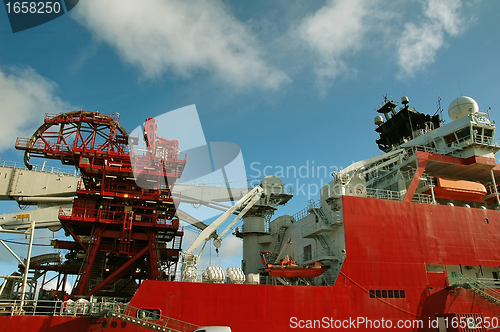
[(69, 245), (88, 264), (77, 238), (118, 273), (422, 159), (97, 145)]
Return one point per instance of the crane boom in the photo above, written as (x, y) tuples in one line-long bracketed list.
[(248, 201), (190, 260)]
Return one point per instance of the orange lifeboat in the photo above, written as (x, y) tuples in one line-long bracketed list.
[(288, 268), (459, 190), (293, 270)]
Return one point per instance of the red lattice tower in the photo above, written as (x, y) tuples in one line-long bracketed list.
[(123, 221)]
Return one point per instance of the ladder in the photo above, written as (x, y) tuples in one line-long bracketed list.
[(126, 233)]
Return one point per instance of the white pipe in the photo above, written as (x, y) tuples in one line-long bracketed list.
[(27, 266), (12, 231), (12, 252), (3, 287), (432, 194), (45, 199)]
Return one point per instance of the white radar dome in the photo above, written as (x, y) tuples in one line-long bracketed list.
[(271, 180), (379, 120), (272, 185), (462, 106)]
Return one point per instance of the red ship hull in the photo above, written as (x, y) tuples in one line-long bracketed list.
[(388, 244)]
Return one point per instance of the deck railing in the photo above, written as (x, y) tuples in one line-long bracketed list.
[(40, 168), (55, 308), (150, 319)]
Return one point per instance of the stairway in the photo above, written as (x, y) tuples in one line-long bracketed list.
[(277, 243), (82, 279), (95, 276), (476, 286), (320, 215), (149, 319), (177, 243), (323, 243)]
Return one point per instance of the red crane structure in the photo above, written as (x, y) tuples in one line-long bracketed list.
[(123, 221)]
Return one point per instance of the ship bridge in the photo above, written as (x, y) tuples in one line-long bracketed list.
[(421, 153)]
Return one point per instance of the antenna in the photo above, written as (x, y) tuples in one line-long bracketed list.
[(440, 111), (459, 87), (489, 116)]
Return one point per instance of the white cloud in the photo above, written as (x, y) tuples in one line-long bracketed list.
[(182, 37), (341, 30), (447, 14), (333, 32), (25, 97), (419, 44)]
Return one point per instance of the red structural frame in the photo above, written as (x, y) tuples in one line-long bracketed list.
[(124, 218)]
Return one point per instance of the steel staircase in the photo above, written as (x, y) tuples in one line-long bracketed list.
[(91, 255), (96, 271), (277, 243), (320, 215), (149, 319), (315, 208), (476, 286), (323, 243)]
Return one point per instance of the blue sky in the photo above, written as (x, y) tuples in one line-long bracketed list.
[(291, 83)]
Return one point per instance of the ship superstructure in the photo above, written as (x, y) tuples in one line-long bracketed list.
[(424, 162)]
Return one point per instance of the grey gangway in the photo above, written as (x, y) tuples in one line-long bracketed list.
[(486, 288), (149, 319)]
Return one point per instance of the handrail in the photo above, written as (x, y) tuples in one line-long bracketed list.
[(150, 319), (317, 254), (384, 194), (114, 116), (40, 168), (422, 198), (478, 286), (59, 308), (301, 214), (313, 225), (109, 216)]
